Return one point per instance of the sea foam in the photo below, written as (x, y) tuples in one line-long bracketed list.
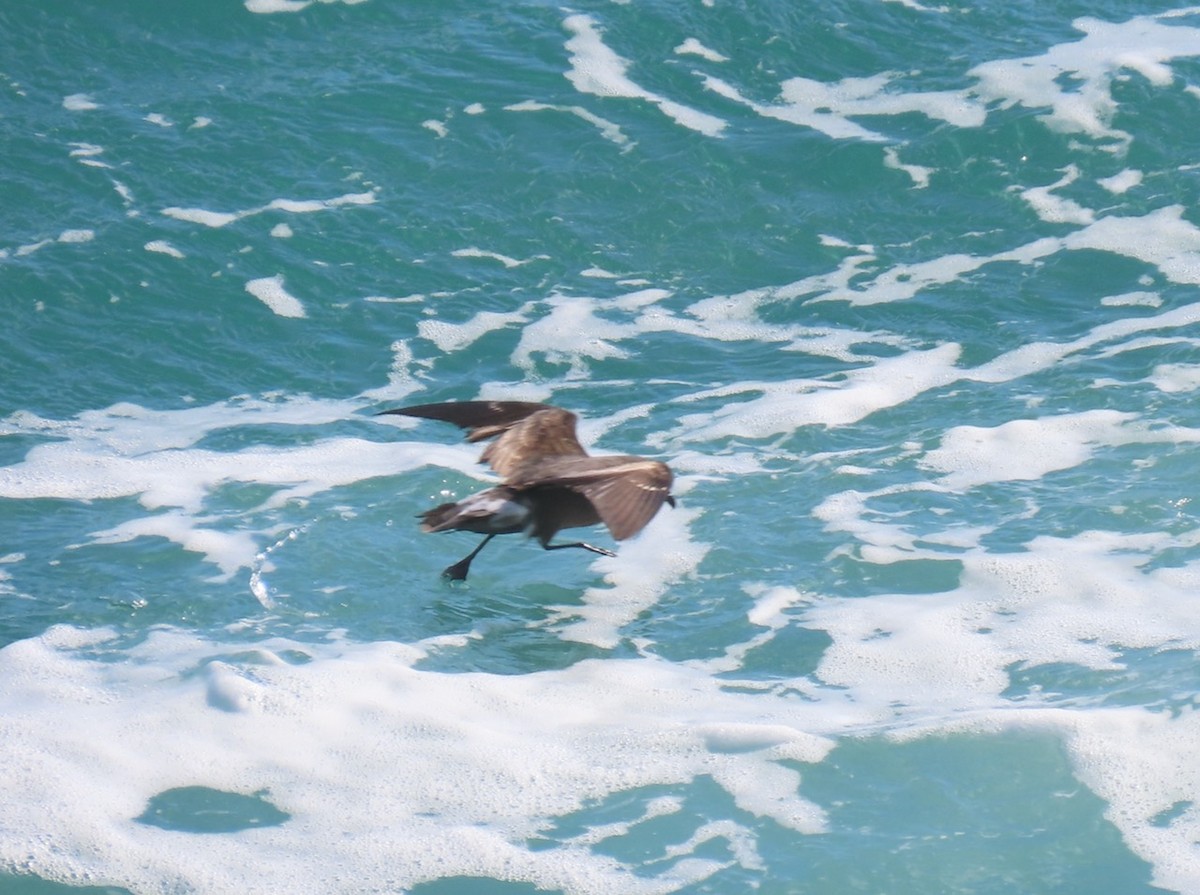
[(430, 774)]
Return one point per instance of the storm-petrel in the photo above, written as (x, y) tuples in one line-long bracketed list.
[(549, 482)]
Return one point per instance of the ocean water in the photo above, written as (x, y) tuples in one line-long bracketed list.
[(904, 292)]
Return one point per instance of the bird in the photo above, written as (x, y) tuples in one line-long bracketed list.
[(548, 481)]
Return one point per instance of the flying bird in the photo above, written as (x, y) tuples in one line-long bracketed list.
[(548, 481)]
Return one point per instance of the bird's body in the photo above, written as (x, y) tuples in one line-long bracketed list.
[(549, 481)]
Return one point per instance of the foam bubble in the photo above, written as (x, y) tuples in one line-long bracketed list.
[(1061, 600), (770, 611), (415, 298), (599, 273), (913, 4)]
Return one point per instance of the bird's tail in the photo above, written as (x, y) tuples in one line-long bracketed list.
[(440, 518)]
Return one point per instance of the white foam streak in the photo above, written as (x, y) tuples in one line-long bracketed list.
[(1072, 79), (919, 173), (151, 456), (638, 577), (1055, 209), (162, 247), (829, 107), (802, 105), (609, 130), (769, 611), (1089, 65), (268, 7), (217, 219), (785, 406), (943, 661), (79, 102), (402, 378), (1175, 378), (1036, 356), (456, 336), (570, 334), (598, 70), (506, 260), (970, 456), (1140, 762), (230, 551), (183, 480), (271, 292), (1123, 182), (129, 429), (693, 47), (1162, 238)]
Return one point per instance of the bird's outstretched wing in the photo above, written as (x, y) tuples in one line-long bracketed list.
[(528, 431), (626, 491), (481, 419)]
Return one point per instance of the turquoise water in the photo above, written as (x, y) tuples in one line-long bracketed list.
[(905, 294)]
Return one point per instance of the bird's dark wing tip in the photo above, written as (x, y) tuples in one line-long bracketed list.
[(471, 414)]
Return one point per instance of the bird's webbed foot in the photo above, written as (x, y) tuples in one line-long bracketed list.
[(602, 551)]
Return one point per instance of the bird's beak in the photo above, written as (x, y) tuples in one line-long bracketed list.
[(670, 500)]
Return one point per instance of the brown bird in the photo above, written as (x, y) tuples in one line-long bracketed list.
[(549, 482)]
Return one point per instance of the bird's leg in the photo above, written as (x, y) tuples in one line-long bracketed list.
[(458, 571), (599, 550)]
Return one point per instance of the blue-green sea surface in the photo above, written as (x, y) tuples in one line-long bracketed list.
[(905, 293)]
